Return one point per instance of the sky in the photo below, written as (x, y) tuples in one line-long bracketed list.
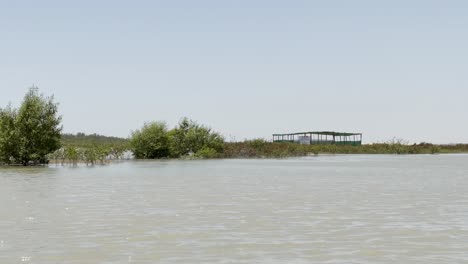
[(248, 69)]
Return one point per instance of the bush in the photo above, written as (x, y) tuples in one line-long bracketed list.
[(90, 156), (206, 153), (72, 155), (151, 142), (190, 138)]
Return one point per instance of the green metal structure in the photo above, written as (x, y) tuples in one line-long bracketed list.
[(320, 137)]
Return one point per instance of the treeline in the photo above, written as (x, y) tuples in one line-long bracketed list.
[(31, 134), (81, 139), (260, 148)]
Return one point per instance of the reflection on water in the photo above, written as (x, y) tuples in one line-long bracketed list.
[(326, 209)]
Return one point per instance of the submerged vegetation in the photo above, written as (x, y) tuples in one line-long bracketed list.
[(31, 134), (90, 149), (89, 156)]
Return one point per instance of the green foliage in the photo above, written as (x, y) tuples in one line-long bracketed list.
[(151, 142), (117, 151), (258, 143), (30, 133), (435, 150), (9, 137), (90, 149), (207, 153), (82, 140), (262, 149), (72, 154), (178, 143), (190, 138), (90, 155)]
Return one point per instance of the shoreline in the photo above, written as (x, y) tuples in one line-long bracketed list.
[(110, 161)]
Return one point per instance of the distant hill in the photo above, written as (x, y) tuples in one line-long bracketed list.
[(83, 140)]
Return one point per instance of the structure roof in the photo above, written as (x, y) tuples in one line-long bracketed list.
[(328, 133)]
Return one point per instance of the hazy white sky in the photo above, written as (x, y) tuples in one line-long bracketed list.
[(246, 68)]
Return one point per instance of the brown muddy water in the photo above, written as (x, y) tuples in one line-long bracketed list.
[(325, 209)]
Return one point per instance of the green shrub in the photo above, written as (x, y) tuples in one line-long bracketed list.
[(207, 153), (72, 154), (151, 142), (190, 138)]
